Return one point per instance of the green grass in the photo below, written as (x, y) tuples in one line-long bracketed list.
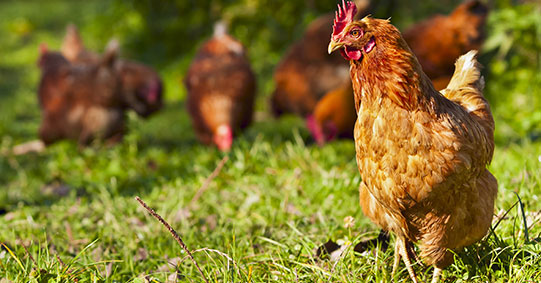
[(70, 214)]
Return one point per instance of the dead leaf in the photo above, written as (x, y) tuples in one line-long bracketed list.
[(291, 209), (9, 216), (383, 240), (181, 215), (108, 269), (211, 222), (326, 249), (333, 250), (173, 277), (56, 189), (171, 264), (142, 254)]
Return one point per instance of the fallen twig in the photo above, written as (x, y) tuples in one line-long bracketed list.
[(211, 177), (174, 233), (29, 254), (59, 260)]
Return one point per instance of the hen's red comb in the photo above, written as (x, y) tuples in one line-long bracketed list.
[(43, 48), (343, 16)]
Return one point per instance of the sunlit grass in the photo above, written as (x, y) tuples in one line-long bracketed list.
[(70, 214)]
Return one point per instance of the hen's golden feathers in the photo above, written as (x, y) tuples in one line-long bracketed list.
[(422, 155), (221, 89)]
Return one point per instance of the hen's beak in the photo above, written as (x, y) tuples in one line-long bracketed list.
[(333, 45)]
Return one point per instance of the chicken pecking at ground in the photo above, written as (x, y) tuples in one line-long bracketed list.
[(221, 90), (437, 42), (78, 102), (334, 115), (422, 154), (141, 85)]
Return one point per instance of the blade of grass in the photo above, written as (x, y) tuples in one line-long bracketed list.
[(14, 257)]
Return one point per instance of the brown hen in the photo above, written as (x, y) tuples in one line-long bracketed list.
[(440, 40), (422, 154), (334, 115), (437, 43), (307, 71), (141, 86), (221, 90), (79, 102)]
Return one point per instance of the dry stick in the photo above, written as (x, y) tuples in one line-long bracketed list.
[(29, 254), (206, 184), (59, 260), (174, 233)]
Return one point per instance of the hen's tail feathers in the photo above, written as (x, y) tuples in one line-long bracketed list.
[(467, 73), (466, 89), (72, 45), (220, 29)]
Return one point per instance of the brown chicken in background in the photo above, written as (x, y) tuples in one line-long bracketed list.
[(141, 85), (221, 90), (422, 154), (437, 42), (440, 40), (74, 49), (79, 102), (307, 71), (334, 115)]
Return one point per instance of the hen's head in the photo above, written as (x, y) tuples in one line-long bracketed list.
[(358, 39), (49, 59), (141, 87), (322, 131), (223, 137)]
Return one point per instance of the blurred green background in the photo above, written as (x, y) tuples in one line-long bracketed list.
[(166, 33)]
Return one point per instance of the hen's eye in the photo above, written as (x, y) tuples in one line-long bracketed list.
[(355, 32)]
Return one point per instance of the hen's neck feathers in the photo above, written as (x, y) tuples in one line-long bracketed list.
[(392, 71)]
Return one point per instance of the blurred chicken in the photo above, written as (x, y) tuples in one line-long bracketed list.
[(440, 40), (334, 115), (79, 102), (422, 154), (221, 90), (142, 87), (437, 43), (307, 71), (74, 49)]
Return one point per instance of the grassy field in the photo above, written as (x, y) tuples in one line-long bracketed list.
[(69, 214)]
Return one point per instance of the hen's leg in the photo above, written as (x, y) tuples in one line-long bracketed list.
[(396, 258), (411, 252), (402, 244), (436, 275)]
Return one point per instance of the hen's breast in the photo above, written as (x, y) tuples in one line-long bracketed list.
[(406, 158)]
